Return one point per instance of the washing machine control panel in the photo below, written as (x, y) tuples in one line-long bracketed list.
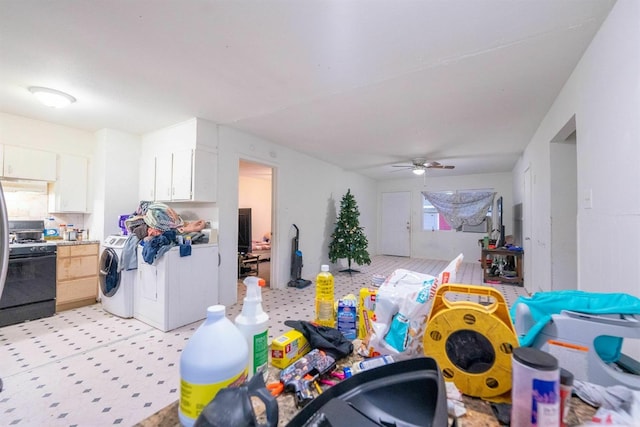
[(115, 241)]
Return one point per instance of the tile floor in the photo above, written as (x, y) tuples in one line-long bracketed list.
[(86, 367)]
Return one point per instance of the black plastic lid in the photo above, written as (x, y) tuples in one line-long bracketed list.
[(566, 377), (535, 358)]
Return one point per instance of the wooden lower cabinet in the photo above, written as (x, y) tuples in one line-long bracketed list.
[(76, 276)]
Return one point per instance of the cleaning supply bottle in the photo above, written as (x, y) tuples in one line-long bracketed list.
[(253, 322), (50, 228), (216, 356), (324, 297)]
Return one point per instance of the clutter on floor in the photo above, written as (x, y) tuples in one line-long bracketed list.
[(406, 353)]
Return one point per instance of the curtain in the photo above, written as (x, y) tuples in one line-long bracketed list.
[(461, 207)]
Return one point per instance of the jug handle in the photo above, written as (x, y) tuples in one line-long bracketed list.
[(271, 405)]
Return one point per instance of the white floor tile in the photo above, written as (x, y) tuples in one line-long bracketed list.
[(86, 367)]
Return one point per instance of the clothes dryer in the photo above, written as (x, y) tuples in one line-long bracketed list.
[(116, 287)]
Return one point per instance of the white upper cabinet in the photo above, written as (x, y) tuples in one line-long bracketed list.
[(186, 175), (184, 165), (69, 192), (27, 163)]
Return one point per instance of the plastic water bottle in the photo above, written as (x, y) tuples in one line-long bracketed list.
[(216, 356), (253, 322), (324, 297)]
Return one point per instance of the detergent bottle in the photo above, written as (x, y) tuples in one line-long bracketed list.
[(253, 322), (215, 357), (324, 297)]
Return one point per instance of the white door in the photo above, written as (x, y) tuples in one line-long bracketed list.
[(395, 235)]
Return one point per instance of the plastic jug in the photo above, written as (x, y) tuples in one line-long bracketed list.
[(216, 356)]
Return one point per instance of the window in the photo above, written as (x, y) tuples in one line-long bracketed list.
[(433, 220)]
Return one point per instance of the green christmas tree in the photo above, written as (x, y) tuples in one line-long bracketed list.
[(348, 240)]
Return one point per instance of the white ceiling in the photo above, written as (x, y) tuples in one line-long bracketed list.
[(361, 84)]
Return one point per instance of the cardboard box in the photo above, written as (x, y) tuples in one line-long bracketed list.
[(366, 311), (347, 315), (288, 348)]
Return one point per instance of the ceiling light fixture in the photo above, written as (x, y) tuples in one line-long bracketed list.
[(418, 171), (51, 97)]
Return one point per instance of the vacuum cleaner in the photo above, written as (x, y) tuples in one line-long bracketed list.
[(296, 264)]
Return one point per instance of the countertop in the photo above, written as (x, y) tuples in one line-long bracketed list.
[(479, 412), (74, 242)]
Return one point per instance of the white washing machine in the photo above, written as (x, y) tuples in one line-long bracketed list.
[(176, 290), (116, 287)]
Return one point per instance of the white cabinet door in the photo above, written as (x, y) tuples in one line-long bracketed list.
[(147, 188), (185, 175), (181, 175), (69, 192), (26, 163), (163, 176)]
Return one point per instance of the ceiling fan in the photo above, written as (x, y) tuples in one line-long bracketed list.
[(419, 165)]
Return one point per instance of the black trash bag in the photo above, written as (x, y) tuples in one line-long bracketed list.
[(329, 340), (232, 406)]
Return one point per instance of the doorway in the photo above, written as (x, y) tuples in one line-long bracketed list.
[(395, 230), (255, 193), (564, 208)]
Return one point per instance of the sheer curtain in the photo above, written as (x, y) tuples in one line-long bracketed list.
[(461, 207)]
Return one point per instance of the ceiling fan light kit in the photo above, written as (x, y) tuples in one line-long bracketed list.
[(418, 171)]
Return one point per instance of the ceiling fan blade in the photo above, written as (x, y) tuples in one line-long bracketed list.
[(401, 166), (436, 165)]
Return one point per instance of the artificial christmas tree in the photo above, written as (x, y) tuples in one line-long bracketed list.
[(348, 240)]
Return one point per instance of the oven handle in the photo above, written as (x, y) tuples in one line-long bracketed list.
[(30, 257), (4, 240)]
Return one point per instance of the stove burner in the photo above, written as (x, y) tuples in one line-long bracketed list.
[(25, 241)]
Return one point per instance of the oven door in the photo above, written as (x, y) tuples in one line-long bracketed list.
[(30, 279)]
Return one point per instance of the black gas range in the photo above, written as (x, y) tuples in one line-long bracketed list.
[(30, 286)]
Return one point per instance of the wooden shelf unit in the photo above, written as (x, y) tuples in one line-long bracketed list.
[(518, 259)]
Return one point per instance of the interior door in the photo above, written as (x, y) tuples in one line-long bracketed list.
[(395, 235)]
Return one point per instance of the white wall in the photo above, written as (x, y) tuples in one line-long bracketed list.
[(255, 193), (115, 184), (25, 132), (307, 193), (604, 94), (446, 245), (564, 263), (113, 165)]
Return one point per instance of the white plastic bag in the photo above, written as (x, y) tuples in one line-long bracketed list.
[(402, 305)]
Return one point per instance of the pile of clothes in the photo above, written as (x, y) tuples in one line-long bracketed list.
[(155, 226)]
